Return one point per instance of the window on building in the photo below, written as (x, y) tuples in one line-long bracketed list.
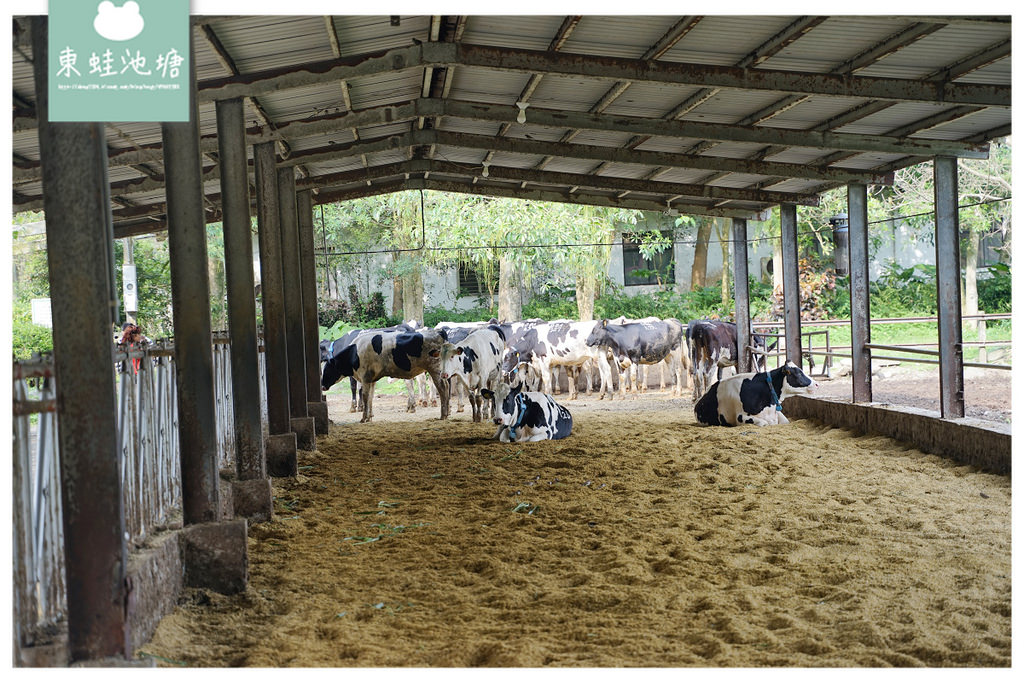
[(471, 282), (637, 270), (990, 249)]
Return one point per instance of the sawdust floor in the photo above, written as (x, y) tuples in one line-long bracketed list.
[(642, 540)]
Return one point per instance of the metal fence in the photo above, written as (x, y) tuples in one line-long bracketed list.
[(40, 597), (147, 423)]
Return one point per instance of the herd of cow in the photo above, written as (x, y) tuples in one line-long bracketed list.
[(509, 369)]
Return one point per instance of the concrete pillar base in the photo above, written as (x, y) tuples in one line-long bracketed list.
[(155, 576), (216, 556), (305, 433), (281, 456), (318, 411), (253, 499)]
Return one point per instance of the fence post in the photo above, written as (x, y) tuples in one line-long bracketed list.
[(982, 337), (316, 406), (947, 275), (791, 283), (291, 271), (860, 299), (741, 289), (281, 444)]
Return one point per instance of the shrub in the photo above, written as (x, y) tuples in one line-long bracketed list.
[(995, 294), (28, 338), (332, 311)]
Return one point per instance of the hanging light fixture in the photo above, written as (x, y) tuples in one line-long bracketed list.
[(486, 172), (522, 111)]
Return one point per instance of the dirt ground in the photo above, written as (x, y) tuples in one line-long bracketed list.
[(641, 540)]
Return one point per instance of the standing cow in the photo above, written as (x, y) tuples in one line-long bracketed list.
[(403, 355), (752, 398), (713, 346), (528, 416), (643, 343), (475, 363), (555, 344)]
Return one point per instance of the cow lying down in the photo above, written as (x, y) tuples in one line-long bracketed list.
[(752, 398), (527, 415)]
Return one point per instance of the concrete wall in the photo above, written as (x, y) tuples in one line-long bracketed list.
[(980, 443)]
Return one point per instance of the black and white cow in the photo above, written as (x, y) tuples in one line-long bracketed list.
[(713, 347), (528, 416), (403, 355), (327, 348), (752, 398), (475, 363), (556, 344), (454, 334), (643, 343)]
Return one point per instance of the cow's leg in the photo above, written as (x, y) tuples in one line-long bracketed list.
[(366, 394), (605, 371), (460, 396), (442, 392), (410, 392), (353, 386)]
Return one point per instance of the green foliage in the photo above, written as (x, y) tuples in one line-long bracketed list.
[(901, 291), (995, 293)]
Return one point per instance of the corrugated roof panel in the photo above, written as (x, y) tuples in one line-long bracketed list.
[(342, 137), (893, 118), (811, 112), (731, 106), (359, 35), (301, 103), (474, 157), (944, 47), (564, 165), (798, 155), (602, 138), (522, 32), (630, 171), (652, 100), (618, 36), (269, 42), (986, 119), (567, 93), (997, 72), (833, 42), (491, 87), (384, 89), (454, 125), (684, 175), (511, 160), (384, 130), (725, 40)]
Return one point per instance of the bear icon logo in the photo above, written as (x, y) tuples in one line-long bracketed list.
[(118, 23)]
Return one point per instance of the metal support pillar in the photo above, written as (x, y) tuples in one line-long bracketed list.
[(190, 297), (947, 262), (317, 407), (274, 336), (791, 283), (250, 459), (291, 272), (741, 289), (860, 300), (75, 199)]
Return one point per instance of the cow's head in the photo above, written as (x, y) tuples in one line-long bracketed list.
[(515, 362), (325, 349), (451, 360), (794, 381), (504, 397), (599, 335), (341, 364)]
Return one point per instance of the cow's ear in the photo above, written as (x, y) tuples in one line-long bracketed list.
[(487, 393), (457, 351), (604, 322), (435, 353)]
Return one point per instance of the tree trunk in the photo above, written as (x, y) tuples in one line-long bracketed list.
[(971, 278), (699, 271), (412, 296), (215, 274), (510, 301), (586, 290), (722, 229), (397, 300)]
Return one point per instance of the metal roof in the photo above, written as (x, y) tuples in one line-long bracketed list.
[(717, 115)]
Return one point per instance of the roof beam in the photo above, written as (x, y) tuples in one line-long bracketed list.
[(516, 192), (600, 67), (713, 131)]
